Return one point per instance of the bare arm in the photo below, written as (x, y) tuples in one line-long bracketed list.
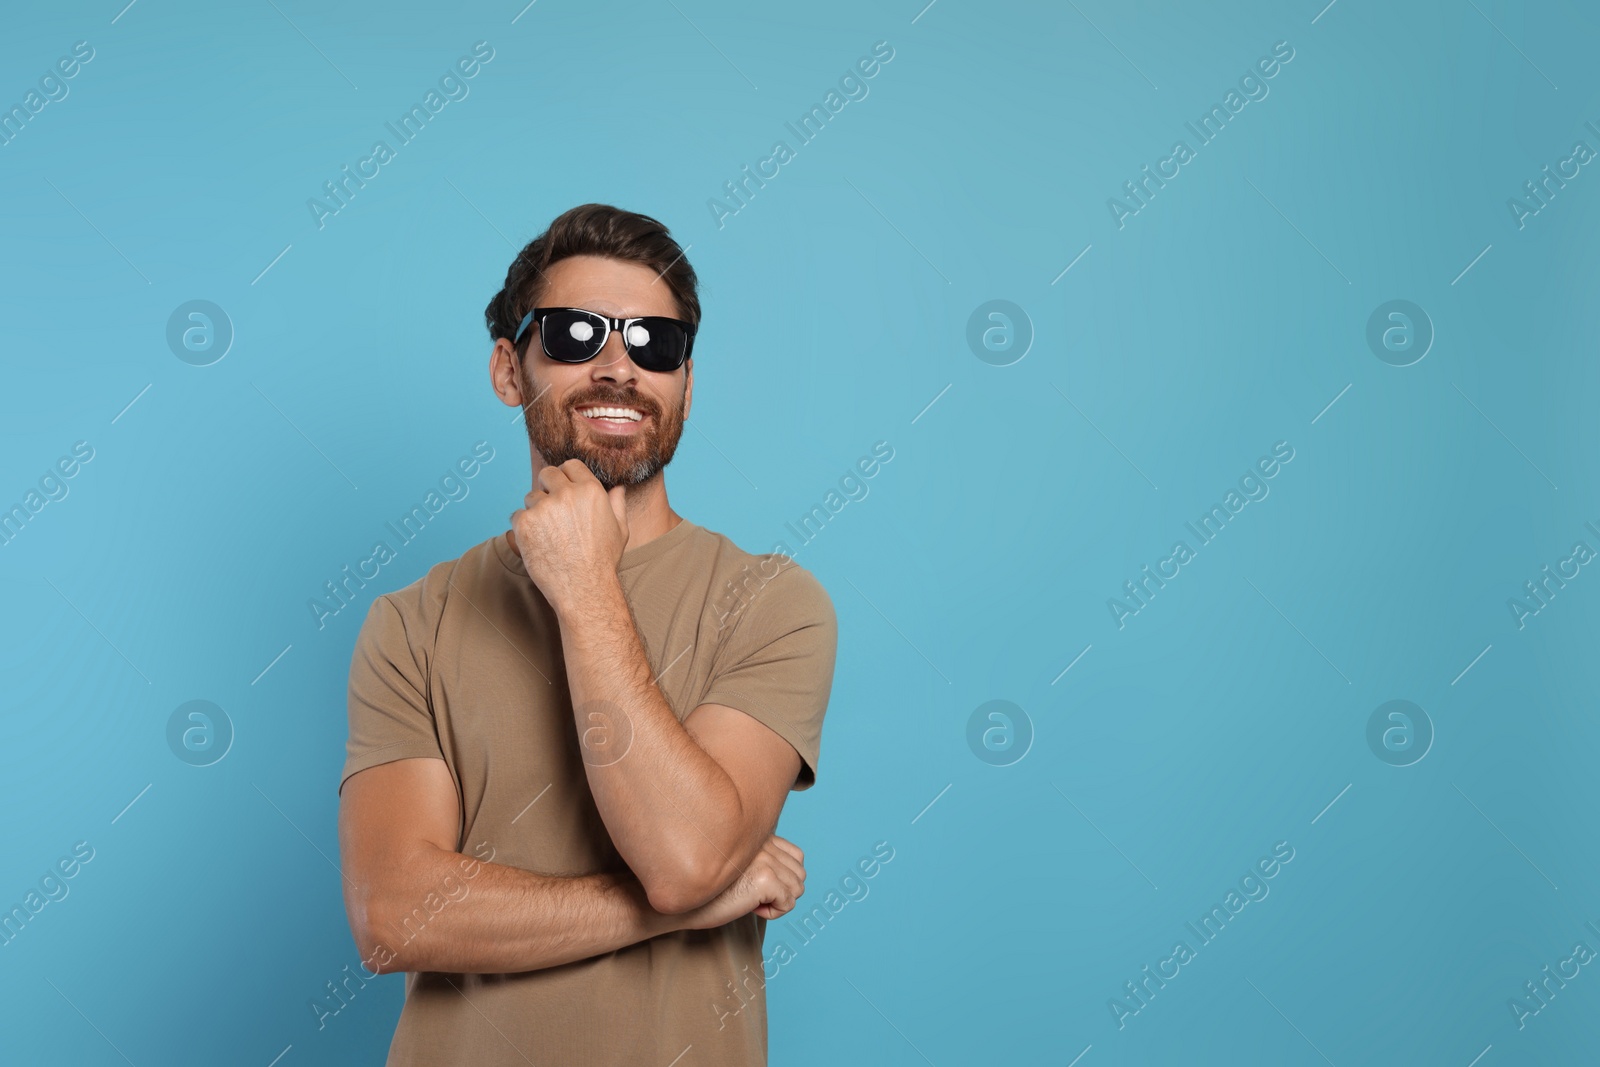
[(415, 904), (688, 804)]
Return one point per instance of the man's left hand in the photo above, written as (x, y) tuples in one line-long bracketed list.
[(571, 533)]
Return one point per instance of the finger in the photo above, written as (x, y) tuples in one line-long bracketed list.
[(783, 861), (788, 864), (550, 478), (577, 469), (778, 900), (618, 497), (788, 846), (773, 911), (788, 881)]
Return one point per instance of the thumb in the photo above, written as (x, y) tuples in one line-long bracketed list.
[(618, 496)]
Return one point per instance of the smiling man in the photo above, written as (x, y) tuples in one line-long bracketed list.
[(567, 757)]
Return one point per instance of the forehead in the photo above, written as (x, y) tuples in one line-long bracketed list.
[(615, 287)]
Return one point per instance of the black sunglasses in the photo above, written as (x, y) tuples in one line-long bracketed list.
[(573, 335)]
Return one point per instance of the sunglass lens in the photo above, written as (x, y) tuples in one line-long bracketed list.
[(571, 336), (656, 344)]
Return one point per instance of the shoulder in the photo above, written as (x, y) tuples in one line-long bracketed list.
[(419, 606), (764, 590)]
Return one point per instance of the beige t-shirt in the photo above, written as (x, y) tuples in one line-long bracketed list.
[(465, 664)]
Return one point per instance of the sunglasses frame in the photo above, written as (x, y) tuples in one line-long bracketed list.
[(611, 324)]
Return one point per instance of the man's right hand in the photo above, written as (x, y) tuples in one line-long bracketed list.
[(768, 887)]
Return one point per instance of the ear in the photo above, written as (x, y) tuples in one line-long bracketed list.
[(504, 374), (688, 386)]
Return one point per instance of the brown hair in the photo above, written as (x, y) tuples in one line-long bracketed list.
[(592, 230)]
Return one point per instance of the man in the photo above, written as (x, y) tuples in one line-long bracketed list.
[(569, 747)]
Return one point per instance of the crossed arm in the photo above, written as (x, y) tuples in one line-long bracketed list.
[(415, 904), (688, 804), (691, 807)]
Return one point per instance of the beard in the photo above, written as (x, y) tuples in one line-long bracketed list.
[(614, 459)]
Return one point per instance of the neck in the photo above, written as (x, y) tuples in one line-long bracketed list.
[(649, 514)]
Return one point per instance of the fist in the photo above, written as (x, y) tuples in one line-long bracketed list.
[(768, 887), (571, 532)]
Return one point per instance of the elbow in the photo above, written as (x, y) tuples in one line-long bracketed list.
[(389, 907), (379, 954), (377, 957), (675, 897), (692, 884)]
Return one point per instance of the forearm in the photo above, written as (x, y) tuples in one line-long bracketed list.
[(458, 915), (671, 810)]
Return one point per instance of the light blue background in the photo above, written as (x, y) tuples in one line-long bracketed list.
[(1227, 315)]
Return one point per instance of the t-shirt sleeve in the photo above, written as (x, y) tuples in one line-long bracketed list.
[(390, 714), (778, 664)]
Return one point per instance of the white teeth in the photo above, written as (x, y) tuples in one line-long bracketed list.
[(612, 413)]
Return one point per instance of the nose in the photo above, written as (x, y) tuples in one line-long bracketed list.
[(612, 363)]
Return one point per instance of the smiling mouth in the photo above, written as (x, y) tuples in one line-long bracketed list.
[(615, 415)]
